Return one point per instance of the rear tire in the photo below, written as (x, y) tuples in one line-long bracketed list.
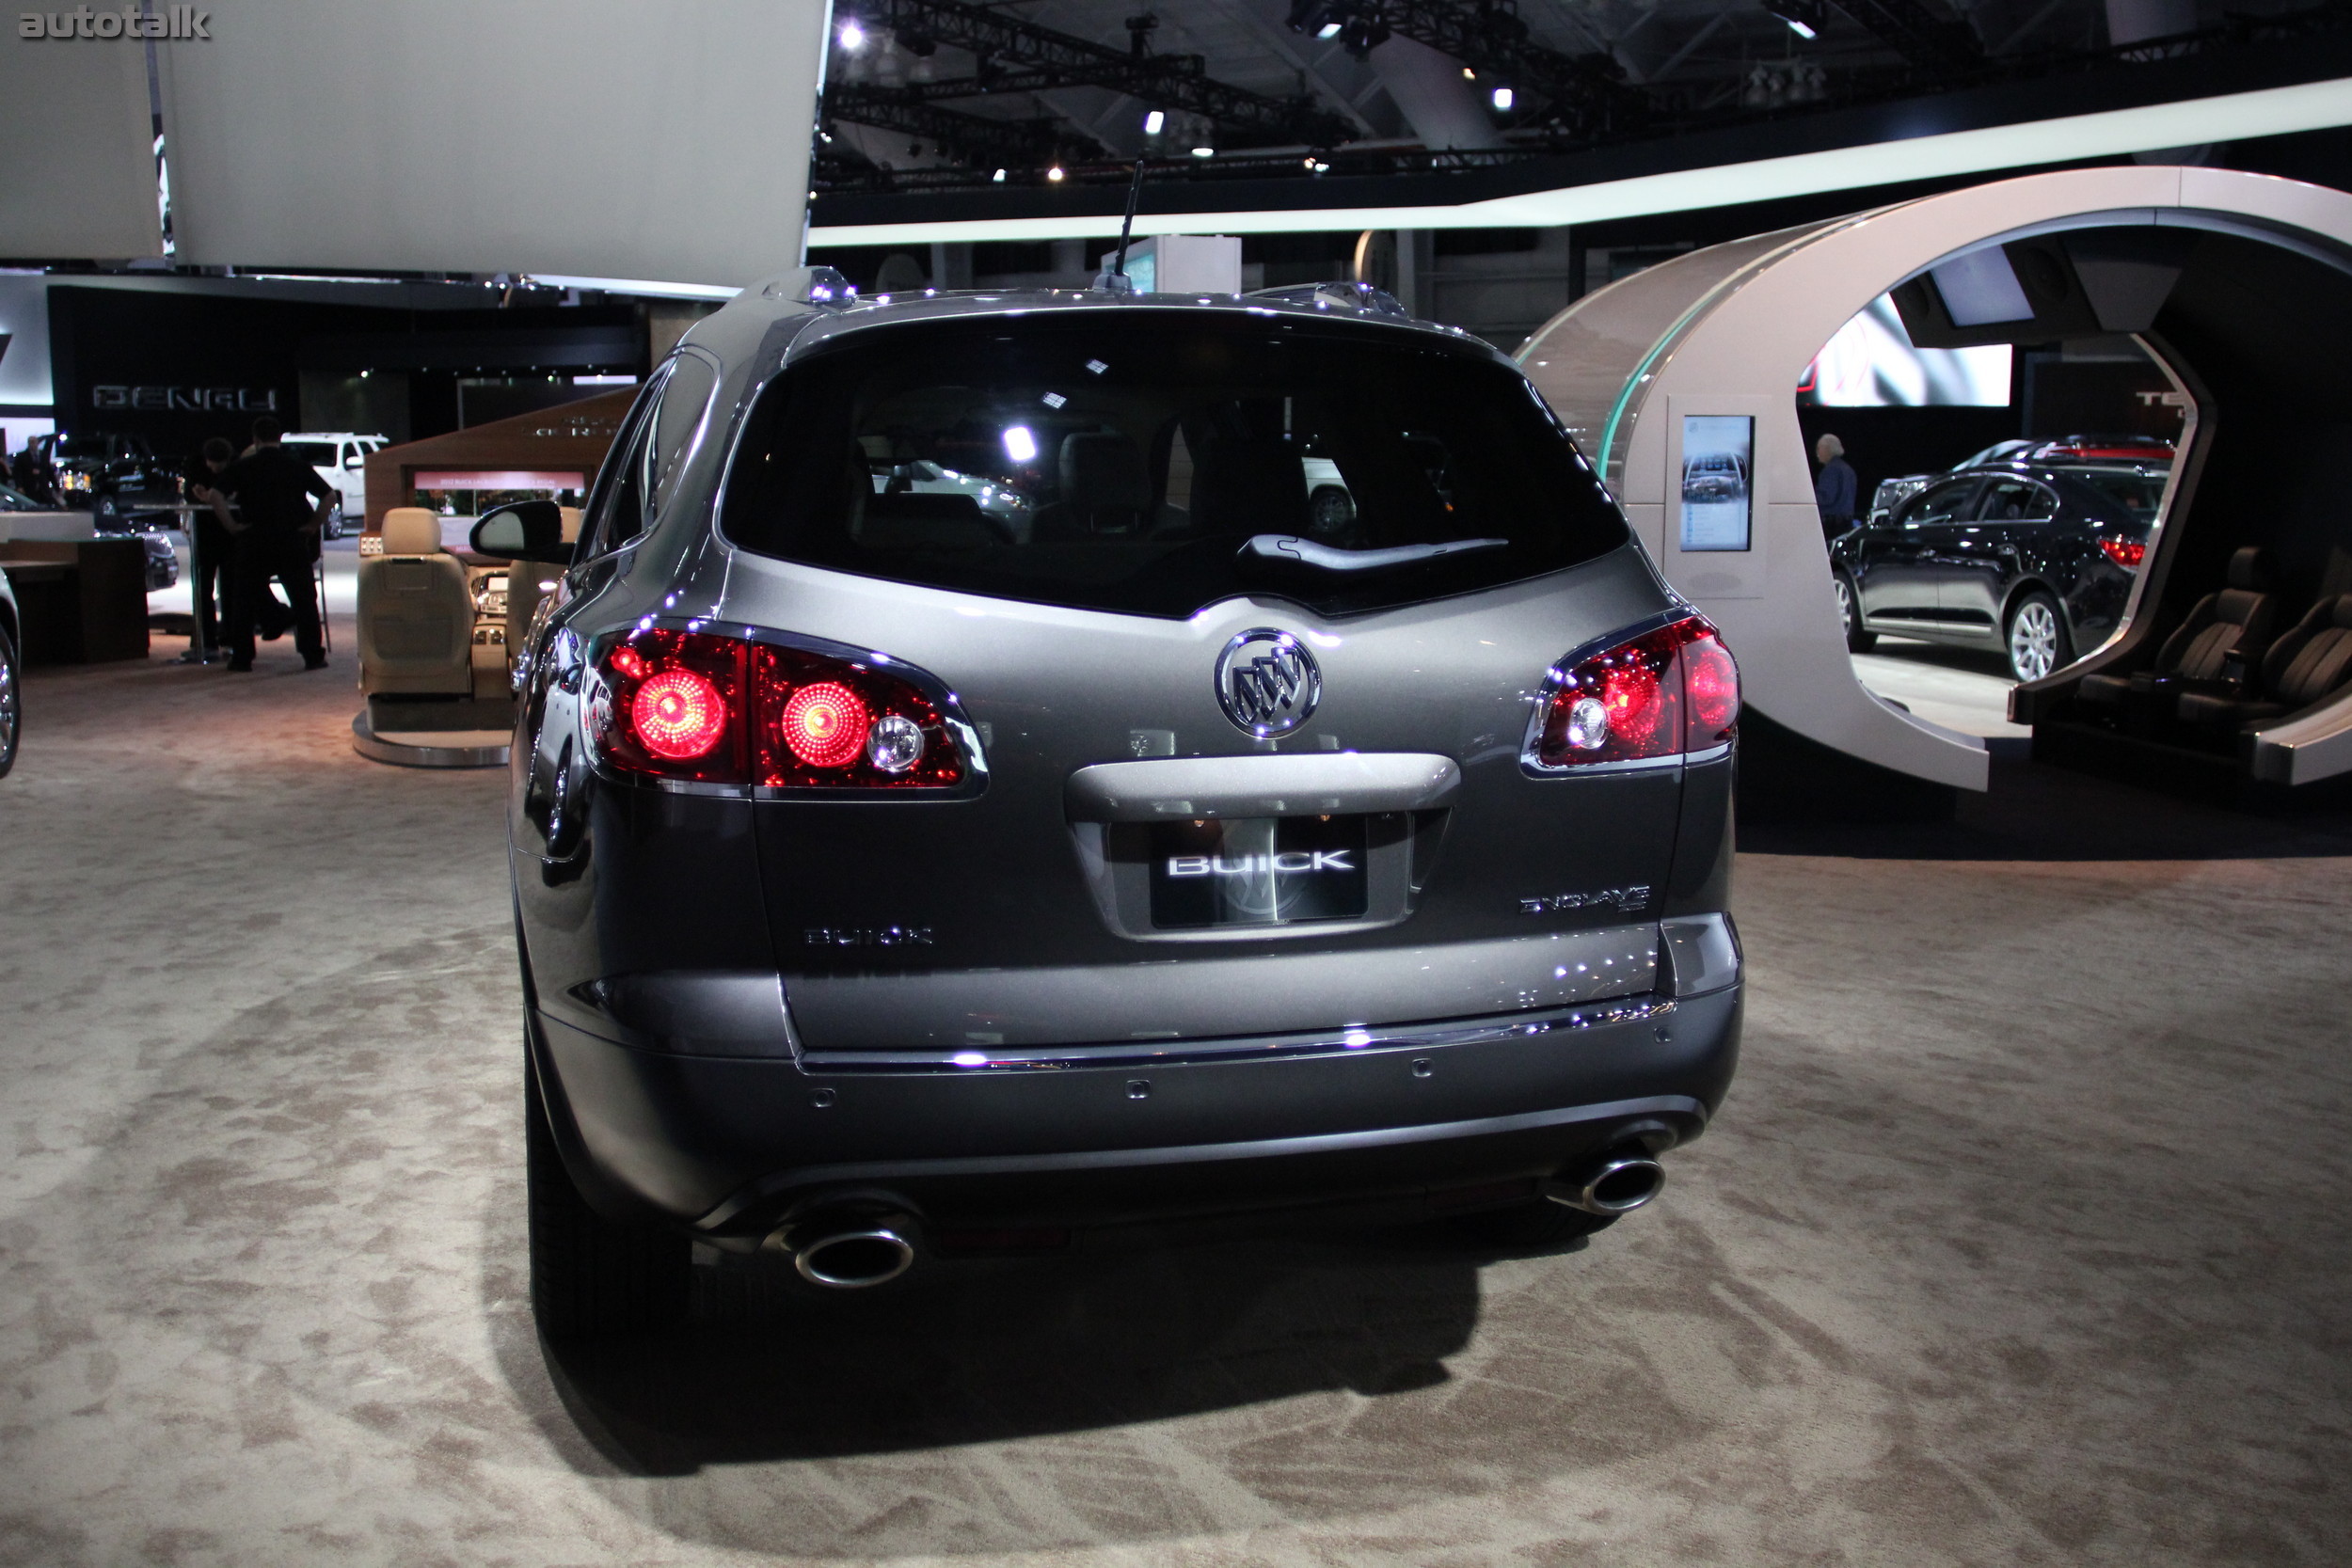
[(591, 1276), (1858, 640), (2037, 637), (333, 528), (1330, 510)]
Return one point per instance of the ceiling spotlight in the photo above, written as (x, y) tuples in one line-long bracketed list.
[(1805, 18), (853, 37), (1468, 75), (1204, 151), (1000, 177), (1055, 173), (1328, 31), (1503, 100), (1154, 122)]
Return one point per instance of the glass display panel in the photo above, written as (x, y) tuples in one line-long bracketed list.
[(1718, 468)]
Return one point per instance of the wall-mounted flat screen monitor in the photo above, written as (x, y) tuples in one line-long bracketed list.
[(1982, 289), (1871, 363), (1718, 473)]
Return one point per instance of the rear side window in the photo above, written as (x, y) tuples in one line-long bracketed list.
[(2139, 494), (1152, 464), (1941, 503)]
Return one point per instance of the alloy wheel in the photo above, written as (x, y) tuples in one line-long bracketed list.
[(2033, 640), (1845, 604)]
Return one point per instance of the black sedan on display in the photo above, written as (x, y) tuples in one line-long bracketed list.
[(902, 873), (2031, 559)]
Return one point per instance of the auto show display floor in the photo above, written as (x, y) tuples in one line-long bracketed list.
[(2019, 1241), (1956, 688)]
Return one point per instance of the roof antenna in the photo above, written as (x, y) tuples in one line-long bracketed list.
[(1115, 280)]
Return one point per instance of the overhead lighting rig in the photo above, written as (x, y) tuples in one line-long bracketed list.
[(1022, 57)]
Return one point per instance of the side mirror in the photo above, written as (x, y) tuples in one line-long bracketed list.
[(523, 530)]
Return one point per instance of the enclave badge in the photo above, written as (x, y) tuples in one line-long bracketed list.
[(1267, 682)]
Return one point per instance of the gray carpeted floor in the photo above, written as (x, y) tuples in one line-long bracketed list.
[(2022, 1240)]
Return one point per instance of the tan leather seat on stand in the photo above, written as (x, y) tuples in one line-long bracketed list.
[(415, 616)]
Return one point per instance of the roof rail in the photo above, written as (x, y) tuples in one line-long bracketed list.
[(1353, 297), (810, 286)]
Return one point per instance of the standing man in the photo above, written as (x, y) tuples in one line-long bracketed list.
[(212, 530), (1833, 490), (279, 540)]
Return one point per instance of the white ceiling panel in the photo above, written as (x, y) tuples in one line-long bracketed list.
[(77, 150), (604, 137)]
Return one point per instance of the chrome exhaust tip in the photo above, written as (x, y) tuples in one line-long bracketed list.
[(1612, 1184), (854, 1259)]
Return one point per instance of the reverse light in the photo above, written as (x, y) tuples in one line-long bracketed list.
[(758, 713), (1664, 695), (2122, 551)]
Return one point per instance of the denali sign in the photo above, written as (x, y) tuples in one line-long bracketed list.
[(178, 22), (202, 399)]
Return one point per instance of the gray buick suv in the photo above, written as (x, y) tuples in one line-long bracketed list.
[(967, 799)]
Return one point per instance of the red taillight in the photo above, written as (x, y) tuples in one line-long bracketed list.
[(705, 708), (825, 724), (1661, 694), (2122, 551), (679, 715)]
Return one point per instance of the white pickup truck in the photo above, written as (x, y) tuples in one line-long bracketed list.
[(341, 458)]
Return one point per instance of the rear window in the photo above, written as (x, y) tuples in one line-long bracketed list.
[(2139, 494), (1153, 465), (319, 454)]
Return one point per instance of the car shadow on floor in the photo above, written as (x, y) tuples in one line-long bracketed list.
[(982, 1351), (2036, 811)]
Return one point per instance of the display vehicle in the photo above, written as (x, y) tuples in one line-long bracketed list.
[(2035, 561), (23, 517), (341, 458), (2133, 451), (900, 875), (113, 476)]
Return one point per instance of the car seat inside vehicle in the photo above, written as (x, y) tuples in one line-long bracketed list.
[(1106, 488), (2310, 665), (2232, 626)]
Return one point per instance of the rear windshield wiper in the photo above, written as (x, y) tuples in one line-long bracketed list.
[(1290, 546)]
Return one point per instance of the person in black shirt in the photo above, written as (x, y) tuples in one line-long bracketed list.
[(278, 538), (216, 547)]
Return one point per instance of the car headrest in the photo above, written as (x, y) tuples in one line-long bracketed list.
[(2249, 567), (412, 530), (2337, 612), (1103, 470)]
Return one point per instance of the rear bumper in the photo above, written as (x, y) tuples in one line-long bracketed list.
[(727, 1146)]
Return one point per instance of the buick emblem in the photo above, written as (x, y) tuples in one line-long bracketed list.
[(1267, 682)]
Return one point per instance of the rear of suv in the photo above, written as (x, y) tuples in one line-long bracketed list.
[(968, 799)]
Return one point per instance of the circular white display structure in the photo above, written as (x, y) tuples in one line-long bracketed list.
[(1728, 332)]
